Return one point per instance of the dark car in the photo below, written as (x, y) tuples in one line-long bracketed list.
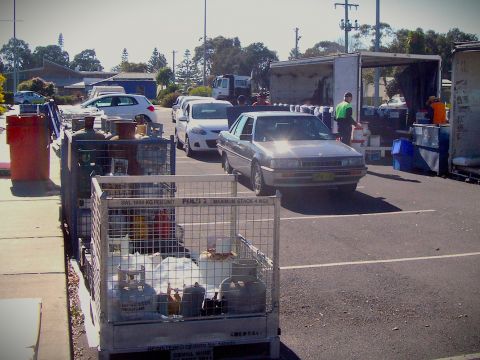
[(283, 149)]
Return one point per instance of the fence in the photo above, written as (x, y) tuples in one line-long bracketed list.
[(177, 262), (81, 159)]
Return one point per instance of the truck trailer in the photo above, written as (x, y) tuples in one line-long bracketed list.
[(323, 81), (464, 152)]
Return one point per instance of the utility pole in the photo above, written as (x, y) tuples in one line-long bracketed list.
[(15, 45), (297, 38), (345, 24), (205, 45), (377, 48), (173, 66)]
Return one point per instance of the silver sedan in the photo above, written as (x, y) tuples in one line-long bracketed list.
[(278, 149)]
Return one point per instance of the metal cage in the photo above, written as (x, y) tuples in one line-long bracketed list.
[(178, 263), (82, 159)]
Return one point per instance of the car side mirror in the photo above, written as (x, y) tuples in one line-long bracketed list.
[(246, 137)]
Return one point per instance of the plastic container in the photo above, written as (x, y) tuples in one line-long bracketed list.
[(402, 147), (192, 300), (402, 163), (29, 140)]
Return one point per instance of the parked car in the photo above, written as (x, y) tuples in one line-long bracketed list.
[(198, 129), (184, 102), (28, 97), (175, 106), (126, 106), (284, 149)]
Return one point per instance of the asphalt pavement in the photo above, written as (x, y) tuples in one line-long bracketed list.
[(390, 272)]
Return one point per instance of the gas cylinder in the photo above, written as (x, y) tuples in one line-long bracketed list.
[(192, 300), (243, 291)]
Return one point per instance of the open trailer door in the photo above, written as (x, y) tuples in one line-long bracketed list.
[(346, 76)]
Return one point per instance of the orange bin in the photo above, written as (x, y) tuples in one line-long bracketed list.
[(29, 140)]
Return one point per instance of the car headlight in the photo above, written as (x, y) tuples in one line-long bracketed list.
[(197, 130), (354, 161), (284, 163)]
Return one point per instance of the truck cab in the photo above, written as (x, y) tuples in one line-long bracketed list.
[(229, 87)]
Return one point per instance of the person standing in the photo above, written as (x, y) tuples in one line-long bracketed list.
[(241, 100), (344, 118), (436, 111)]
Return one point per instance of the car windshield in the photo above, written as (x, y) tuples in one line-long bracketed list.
[(209, 111), (275, 128)]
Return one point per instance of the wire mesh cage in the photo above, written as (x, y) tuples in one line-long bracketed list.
[(168, 257), (84, 158)]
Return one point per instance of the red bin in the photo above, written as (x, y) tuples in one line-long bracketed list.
[(29, 140)]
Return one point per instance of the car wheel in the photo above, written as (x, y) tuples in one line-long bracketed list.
[(258, 184), (177, 141), (345, 189), (226, 165), (187, 148), (147, 119)]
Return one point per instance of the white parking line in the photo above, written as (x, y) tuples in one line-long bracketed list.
[(463, 357), (314, 217), (386, 261), (317, 217)]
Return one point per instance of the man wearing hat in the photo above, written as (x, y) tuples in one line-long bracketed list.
[(436, 111), (344, 118)]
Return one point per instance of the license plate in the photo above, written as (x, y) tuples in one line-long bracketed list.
[(194, 353), (324, 177)]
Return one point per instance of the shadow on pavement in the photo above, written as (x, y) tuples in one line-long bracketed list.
[(34, 188), (330, 202), (286, 353), (391, 177)]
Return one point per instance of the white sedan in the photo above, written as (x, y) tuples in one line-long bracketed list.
[(126, 106), (198, 128), (182, 105)]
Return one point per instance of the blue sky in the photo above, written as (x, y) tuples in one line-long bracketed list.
[(108, 26)]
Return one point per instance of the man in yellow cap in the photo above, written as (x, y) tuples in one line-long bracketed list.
[(436, 111)]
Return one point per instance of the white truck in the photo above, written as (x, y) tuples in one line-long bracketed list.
[(464, 151), (323, 81), (229, 87)]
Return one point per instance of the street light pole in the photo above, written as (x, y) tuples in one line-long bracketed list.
[(173, 65), (205, 45), (377, 48), (15, 67)]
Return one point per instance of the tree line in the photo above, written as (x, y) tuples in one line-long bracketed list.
[(227, 55)]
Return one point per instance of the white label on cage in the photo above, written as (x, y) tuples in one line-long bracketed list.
[(193, 201), (192, 354)]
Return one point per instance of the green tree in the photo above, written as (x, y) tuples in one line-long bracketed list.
[(223, 55), (188, 74), (164, 76), (86, 60), (2, 99), (156, 62), (365, 36), (124, 55), (257, 59), (50, 52), (38, 85), (60, 41), (323, 48), (24, 55)]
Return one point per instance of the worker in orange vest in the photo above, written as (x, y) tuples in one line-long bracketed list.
[(436, 111)]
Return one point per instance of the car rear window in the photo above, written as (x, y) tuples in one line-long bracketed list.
[(210, 111), (273, 128)]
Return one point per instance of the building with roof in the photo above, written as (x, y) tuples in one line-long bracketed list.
[(67, 81)]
